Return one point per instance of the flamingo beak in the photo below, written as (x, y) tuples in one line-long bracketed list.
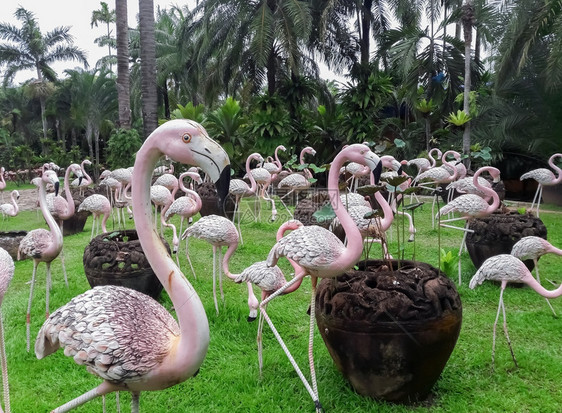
[(377, 173), (222, 184), (57, 185)]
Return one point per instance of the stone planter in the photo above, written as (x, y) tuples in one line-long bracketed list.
[(390, 331), (210, 202), (498, 232), (10, 241), (117, 258)]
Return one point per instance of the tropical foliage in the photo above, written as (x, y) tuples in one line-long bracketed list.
[(250, 72)]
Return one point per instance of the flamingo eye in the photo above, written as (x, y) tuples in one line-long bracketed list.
[(186, 137)]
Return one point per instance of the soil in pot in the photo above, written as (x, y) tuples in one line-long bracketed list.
[(117, 258), (390, 332), (498, 232)]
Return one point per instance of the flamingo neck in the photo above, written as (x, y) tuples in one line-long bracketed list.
[(54, 228), (194, 326), (14, 203), (195, 196), (455, 171), (352, 252), (388, 216), (535, 285), (556, 168), (277, 161), (2, 181), (68, 196), (226, 259), (253, 183), (488, 191), (86, 176), (431, 158)]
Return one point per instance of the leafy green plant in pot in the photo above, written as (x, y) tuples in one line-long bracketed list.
[(390, 325)]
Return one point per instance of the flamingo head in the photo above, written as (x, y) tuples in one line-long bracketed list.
[(363, 155), (187, 142), (50, 177), (495, 173)]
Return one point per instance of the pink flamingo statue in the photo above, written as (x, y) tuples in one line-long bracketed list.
[(143, 348), (268, 279), (319, 252), (98, 205), (12, 208), (275, 167), (219, 232), (186, 207), (63, 209), (544, 177), (263, 180), (532, 248), (162, 198), (2, 182), (471, 206), (507, 268), (86, 180), (42, 245), (356, 171), (423, 164), (297, 182), (240, 189), (436, 176), (6, 275)]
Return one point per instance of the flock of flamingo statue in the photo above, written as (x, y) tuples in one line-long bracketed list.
[(147, 349)]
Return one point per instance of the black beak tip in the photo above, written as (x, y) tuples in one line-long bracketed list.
[(57, 185), (377, 172), (222, 185)]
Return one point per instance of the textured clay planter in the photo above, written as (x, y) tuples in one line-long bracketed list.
[(390, 333), (498, 232), (210, 202), (117, 258), (10, 241)]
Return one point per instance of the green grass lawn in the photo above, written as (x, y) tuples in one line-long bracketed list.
[(229, 379)]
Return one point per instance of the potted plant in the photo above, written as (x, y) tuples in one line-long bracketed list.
[(390, 325)]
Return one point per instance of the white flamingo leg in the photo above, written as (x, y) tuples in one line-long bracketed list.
[(62, 258), (220, 274), (314, 280), (535, 197), (135, 396), (286, 207), (93, 225), (539, 201), (28, 315), (259, 340), (433, 211), (291, 359), (98, 391), (117, 402), (460, 252), (5, 384), (507, 335), (215, 280), (47, 312), (500, 304)]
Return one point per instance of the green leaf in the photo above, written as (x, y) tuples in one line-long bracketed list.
[(411, 207), (369, 189), (325, 214)]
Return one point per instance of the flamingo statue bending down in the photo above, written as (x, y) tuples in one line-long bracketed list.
[(268, 279), (275, 167), (544, 177), (98, 205), (6, 275), (319, 253), (507, 268), (11, 209), (42, 245), (471, 206), (127, 338), (219, 232), (240, 189), (532, 248)]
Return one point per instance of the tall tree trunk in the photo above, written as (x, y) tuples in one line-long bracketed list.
[(42, 105), (468, 22), (366, 32), (96, 133), (123, 87), (148, 66)]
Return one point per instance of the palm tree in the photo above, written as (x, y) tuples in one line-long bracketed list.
[(244, 41), (93, 103), (27, 48), (467, 24), (123, 87), (148, 66), (106, 16)]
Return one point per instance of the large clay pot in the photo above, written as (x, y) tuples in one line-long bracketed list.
[(10, 241), (117, 258), (210, 201), (498, 232), (390, 332)]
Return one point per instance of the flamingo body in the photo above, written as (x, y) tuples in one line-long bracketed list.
[(11, 209)]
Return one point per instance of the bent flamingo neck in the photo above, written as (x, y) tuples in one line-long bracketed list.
[(556, 168)]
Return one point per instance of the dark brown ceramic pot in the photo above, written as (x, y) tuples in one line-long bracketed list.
[(390, 331), (117, 258), (10, 241), (498, 232)]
